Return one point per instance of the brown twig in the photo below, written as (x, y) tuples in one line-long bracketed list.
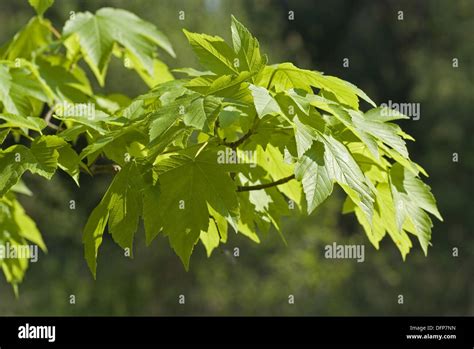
[(266, 185), (101, 169), (238, 142)]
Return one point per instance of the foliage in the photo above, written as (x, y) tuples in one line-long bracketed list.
[(236, 146)]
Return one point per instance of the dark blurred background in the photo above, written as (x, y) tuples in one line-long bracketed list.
[(408, 61)]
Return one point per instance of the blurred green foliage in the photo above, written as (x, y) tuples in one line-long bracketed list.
[(403, 61)]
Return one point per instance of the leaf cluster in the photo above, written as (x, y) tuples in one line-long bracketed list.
[(233, 147)]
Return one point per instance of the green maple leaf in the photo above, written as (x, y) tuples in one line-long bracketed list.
[(189, 182), (97, 34), (411, 199), (21, 92), (264, 102), (35, 35), (120, 209), (41, 159), (247, 48), (339, 165), (213, 53)]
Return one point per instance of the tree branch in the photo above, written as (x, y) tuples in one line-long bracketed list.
[(109, 168), (47, 118), (266, 185), (238, 142)]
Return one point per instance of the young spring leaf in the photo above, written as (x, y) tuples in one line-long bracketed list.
[(97, 34), (213, 53), (246, 47), (189, 182)]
